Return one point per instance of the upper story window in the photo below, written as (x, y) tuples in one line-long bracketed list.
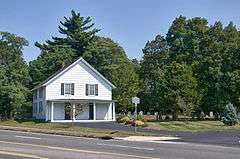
[(34, 107), (67, 88), (35, 94), (40, 107), (92, 89), (40, 92)]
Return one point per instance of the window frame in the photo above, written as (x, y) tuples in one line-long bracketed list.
[(40, 92), (35, 94), (70, 88), (91, 91), (40, 107), (35, 108)]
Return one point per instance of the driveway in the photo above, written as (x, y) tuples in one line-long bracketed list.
[(224, 138)]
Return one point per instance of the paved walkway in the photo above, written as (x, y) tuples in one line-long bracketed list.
[(224, 138)]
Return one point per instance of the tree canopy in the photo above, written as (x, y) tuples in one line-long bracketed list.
[(209, 52), (14, 76)]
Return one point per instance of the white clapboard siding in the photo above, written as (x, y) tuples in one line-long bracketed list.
[(44, 103), (80, 74)]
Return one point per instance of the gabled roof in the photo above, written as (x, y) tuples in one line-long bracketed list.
[(61, 71)]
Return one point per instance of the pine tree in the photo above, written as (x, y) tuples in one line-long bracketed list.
[(230, 115)]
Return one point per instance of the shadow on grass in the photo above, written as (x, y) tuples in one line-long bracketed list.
[(35, 121)]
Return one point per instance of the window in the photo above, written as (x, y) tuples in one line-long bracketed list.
[(92, 89), (34, 107), (67, 88), (40, 95), (40, 107), (35, 94)]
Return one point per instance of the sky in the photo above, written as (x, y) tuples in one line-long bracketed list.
[(131, 23)]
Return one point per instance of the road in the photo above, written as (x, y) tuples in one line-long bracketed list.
[(42, 146), (223, 138)]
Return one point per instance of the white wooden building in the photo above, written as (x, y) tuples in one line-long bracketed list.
[(77, 93)]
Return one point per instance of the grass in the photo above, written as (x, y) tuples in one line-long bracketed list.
[(66, 129), (193, 126)]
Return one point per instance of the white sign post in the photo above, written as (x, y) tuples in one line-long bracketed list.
[(135, 101)]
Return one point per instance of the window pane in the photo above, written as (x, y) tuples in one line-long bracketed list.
[(40, 107), (35, 94), (67, 88), (40, 92), (92, 89)]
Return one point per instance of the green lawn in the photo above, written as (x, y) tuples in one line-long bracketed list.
[(191, 126), (57, 128)]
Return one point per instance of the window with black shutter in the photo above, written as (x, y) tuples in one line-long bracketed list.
[(67, 88), (92, 89)]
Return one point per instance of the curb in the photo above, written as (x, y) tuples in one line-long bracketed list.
[(54, 132)]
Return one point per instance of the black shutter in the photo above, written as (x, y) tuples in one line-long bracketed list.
[(62, 88), (87, 89), (72, 88), (96, 89)]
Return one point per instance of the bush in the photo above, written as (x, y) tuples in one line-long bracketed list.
[(124, 120), (230, 116), (139, 123), (141, 118)]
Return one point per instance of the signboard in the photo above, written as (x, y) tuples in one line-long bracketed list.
[(135, 100)]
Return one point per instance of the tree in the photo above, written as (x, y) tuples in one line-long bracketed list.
[(152, 67), (78, 32), (110, 60), (208, 50), (177, 87), (14, 77), (230, 115)]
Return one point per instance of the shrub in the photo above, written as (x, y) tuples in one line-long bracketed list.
[(139, 123), (124, 119), (141, 118), (230, 116)]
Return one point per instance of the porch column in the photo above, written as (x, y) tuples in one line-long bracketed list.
[(109, 117), (94, 110), (52, 112), (74, 112), (113, 113)]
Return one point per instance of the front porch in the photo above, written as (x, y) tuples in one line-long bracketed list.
[(84, 110)]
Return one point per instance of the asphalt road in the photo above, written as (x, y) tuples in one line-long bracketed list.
[(31, 146), (223, 138)]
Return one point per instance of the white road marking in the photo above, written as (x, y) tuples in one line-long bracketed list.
[(46, 134), (28, 137), (123, 146), (21, 155), (77, 150)]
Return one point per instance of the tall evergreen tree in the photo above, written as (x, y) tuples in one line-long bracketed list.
[(78, 33)]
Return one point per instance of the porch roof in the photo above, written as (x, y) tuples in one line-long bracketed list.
[(82, 100)]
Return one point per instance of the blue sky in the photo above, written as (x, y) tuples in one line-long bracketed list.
[(131, 23)]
